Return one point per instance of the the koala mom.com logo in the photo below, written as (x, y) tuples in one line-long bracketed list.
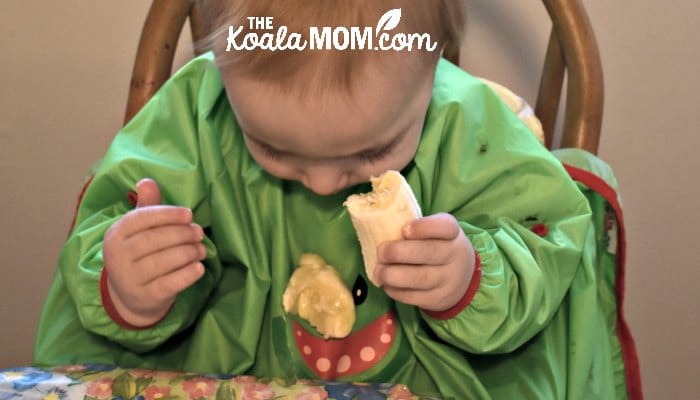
[(373, 38)]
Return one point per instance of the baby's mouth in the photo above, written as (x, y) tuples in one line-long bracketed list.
[(332, 358)]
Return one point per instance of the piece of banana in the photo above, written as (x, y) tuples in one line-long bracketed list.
[(317, 293), (381, 214)]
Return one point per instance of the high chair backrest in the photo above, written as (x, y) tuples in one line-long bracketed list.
[(572, 50)]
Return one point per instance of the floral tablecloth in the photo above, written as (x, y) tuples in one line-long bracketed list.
[(93, 382)]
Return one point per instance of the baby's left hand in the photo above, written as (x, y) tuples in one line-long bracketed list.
[(431, 267)]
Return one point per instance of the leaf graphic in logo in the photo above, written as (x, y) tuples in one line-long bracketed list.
[(389, 20)]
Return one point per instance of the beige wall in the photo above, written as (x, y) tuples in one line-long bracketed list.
[(65, 71)]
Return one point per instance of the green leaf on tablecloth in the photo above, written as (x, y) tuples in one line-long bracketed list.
[(284, 382), (125, 386), (225, 392), (82, 375), (142, 384), (86, 397)]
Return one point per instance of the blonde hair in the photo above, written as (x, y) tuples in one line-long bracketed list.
[(444, 20)]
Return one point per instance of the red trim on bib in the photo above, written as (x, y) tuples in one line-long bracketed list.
[(540, 230), (466, 299), (133, 198), (77, 205), (628, 348), (111, 309)]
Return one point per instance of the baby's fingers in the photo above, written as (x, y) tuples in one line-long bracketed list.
[(143, 218), (164, 262), (157, 239), (410, 277), (169, 285), (437, 226), (416, 252)]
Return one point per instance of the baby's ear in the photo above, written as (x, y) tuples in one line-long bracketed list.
[(519, 106)]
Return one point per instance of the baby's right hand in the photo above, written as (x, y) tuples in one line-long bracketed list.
[(150, 255)]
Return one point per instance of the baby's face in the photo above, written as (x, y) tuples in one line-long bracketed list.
[(331, 142)]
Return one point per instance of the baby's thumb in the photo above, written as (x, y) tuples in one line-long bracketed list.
[(148, 193)]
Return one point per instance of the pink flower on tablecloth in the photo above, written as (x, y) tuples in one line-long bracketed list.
[(244, 379), (257, 391), (66, 369), (400, 392), (251, 389), (153, 373), (313, 393), (142, 373), (156, 392), (168, 375), (199, 387), (101, 388)]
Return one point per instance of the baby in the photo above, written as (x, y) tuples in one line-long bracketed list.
[(241, 164)]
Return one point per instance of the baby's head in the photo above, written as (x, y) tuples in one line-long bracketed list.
[(332, 118)]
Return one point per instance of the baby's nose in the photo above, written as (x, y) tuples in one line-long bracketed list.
[(325, 181)]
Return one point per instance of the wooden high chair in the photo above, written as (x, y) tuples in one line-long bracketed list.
[(572, 49)]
